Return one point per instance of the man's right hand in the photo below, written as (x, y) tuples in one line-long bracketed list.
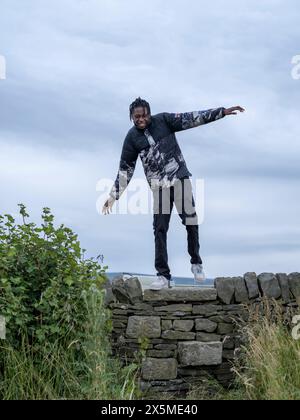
[(107, 208)]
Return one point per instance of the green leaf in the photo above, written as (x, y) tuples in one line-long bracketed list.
[(69, 281)]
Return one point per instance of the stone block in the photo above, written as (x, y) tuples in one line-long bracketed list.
[(200, 354)]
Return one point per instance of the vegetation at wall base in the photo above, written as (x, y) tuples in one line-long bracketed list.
[(269, 368)]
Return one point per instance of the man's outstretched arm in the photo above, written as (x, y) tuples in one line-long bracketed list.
[(127, 165), (186, 120)]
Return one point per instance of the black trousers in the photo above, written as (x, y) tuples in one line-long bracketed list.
[(163, 200)]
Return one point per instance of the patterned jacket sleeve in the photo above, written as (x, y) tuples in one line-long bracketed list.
[(186, 120), (127, 165)]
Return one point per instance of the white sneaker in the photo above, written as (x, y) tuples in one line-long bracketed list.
[(172, 284), (160, 283), (197, 270)]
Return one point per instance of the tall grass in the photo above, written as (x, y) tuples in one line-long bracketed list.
[(64, 370), (271, 363), (269, 366), (210, 389)]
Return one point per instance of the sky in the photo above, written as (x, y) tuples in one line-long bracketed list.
[(73, 68)]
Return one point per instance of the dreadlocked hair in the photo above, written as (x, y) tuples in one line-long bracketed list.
[(139, 102)]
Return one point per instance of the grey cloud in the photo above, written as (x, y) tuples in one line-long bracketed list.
[(74, 67)]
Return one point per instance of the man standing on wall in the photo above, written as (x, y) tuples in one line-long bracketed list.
[(152, 137)]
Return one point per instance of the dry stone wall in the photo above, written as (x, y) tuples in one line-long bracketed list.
[(187, 333)]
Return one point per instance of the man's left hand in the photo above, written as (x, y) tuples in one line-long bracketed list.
[(231, 111)]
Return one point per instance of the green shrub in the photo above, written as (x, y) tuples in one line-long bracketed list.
[(57, 326), (43, 276), (60, 371)]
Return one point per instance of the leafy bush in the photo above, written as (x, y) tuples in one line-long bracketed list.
[(43, 278), (60, 371), (58, 329)]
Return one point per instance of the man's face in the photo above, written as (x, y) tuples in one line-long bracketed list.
[(140, 117)]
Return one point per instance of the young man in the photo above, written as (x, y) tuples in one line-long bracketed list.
[(153, 139)]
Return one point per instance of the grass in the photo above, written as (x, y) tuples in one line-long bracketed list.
[(270, 366)]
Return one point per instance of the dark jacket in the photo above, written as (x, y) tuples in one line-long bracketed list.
[(158, 149)]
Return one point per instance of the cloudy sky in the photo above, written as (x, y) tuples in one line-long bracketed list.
[(73, 68)]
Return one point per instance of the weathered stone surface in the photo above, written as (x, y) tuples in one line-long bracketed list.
[(120, 318), (118, 305), (197, 353), (160, 341), (227, 319), (206, 325), (140, 306), (159, 369), (228, 354), (166, 324), (166, 347), (229, 342), (162, 354), (233, 309), (284, 285), (174, 308), (118, 290), (119, 324), (178, 335), (143, 326), (225, 367), (170, 388), (225, 328), (192, 372), (206, 337), (183, 325), (127, 291), (170, 382), (156, 387), (139, 346), (206, 309), (240, 293), (126, 352), (134, 290), (294, 283), (117, 331), (109, 297), (269, 285), (252, 285), (181, 295), (225, 289), (121, 312), (145, 313)]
